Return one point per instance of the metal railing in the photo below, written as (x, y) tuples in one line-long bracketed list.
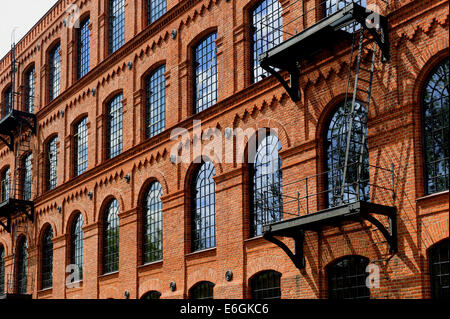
[(319, 192), (22, 287)]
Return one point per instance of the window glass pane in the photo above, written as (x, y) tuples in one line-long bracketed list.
[(116, 24), (2, 270), (114, 127), (52, 163), (83, 48), (435, 129), (81, 146), (267, 32), (7, 102), (204, 208), (266, 285), (205, 70), (267, 184), (155, 93), (47, 259), (347, 278), (76, 247), (55, 72), (111, 238), (439, 269), (30, 90), (203, 290), (152, 224), (27, 175), (6, 184), (155, 9), (22, 266)]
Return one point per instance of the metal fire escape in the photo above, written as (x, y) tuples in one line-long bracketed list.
[(345, 24)]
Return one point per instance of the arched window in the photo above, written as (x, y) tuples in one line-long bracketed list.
[(76, 244), (151, 295), (152, 224), (7, 101), (266, 184), (347, 278), (83, 48), (47, 259), (54, 72), (205, 73), (114, 127), (202, 290), (111, 237), (27, 176), (22, 265), (266, 32), (155, 9), (357, 177), (155, 102), (2, 270), (30, 90), (116, 19), (266, 285), (52, 163), (439, 269), (203, 207), (435, 118), (6, 184), (80, 155)]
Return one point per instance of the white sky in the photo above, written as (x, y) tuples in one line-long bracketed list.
[(22, 14)]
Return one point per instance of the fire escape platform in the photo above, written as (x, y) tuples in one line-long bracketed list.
[(11, 206), (10, 123)]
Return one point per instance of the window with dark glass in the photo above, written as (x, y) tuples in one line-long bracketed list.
[(357, 178), (266, 285), (54, 72), (266, 32), (266, 184), (152, 295), (111, 238), (83, 48), (116, 24), (155, 102), (2, 270), (347, 278), (155, 9), (27, 176), (52, 163), (205, 73), (76, 244), (7, 101), (439, 269), (114, 127), (47, 259), (6, 184), (152, 224), (22, 266), (30, 90), (204, 207), (80, 146), (202, 290), (435, 101)]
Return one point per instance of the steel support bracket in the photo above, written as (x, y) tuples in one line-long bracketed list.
[(293, 87), (297, 256)]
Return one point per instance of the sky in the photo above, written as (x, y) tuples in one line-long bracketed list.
[(22, 15)]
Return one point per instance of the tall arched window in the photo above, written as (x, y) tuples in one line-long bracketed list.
[(439, 256), (266, 184), (114, 127), (202, 290), (54, 82), (22, 265), (335, 149), (155, 9), (27, 176), (83, 48), (347, 278), (30, 90), (52, 164), (6, 184), (152, 224), (203, 203), (116, 19), (7, 101), (80, 155), (2, 270), (266, 32), (155, 102), (47, 259), (435, 118), (205, 73), (266, 285), (76, 244), (111, 237)]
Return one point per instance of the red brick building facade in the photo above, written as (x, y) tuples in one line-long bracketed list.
[(418, 35)]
